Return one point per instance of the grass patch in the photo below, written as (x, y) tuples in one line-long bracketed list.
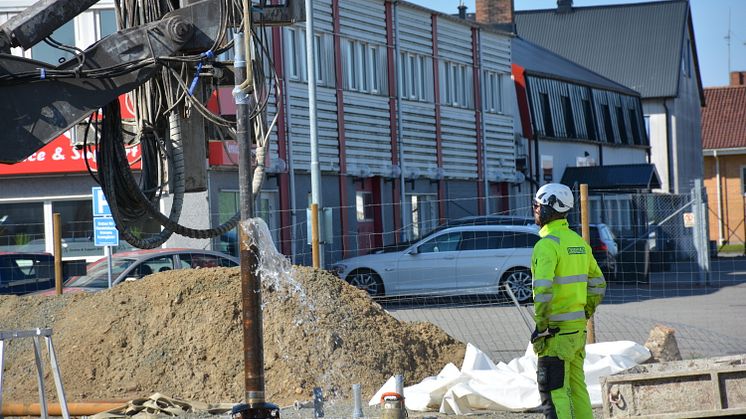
[(731, 248)]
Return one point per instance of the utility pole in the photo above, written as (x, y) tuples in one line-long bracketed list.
[(317, 247)]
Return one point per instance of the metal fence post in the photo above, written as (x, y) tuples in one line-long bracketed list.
[(701, 241)]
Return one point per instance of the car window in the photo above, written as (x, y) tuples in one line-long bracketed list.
[(203, 260), (448, 242), (481, 240), (153, 265), (520, 240), (97, 275)]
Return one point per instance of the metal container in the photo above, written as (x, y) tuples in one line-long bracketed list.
[(695, 388)]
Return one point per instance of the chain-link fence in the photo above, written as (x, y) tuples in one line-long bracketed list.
[(453, 274)]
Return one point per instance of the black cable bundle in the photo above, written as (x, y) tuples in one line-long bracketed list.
[(132, 202)]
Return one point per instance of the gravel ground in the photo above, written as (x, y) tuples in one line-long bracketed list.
[(341, 410)]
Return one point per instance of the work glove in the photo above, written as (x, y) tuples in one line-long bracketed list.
[(536, 335), (538, 339)]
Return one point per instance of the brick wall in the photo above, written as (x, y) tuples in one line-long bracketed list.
[(495, 11), (732, 197)]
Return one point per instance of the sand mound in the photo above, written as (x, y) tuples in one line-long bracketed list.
[(179, 333)]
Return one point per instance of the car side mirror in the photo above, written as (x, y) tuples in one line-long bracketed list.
[(414, 251)]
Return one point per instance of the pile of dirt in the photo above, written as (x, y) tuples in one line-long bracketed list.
[(179, 333)]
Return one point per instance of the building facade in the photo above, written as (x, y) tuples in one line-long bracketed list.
[(415, 125), (654, 53), (724, 147)]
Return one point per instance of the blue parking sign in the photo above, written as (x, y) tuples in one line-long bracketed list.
[(105, 232), (100, 206)]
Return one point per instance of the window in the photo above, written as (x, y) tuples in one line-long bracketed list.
[(422, 72), (590, 125), (609, 129), (23, 273), (622, 125), (743, 180), (295, 56), (569, 118), (77, 228), (455, 85), (635, 127), (619, 213), (424, 214), (412, 73), (364, 206), (292, 53), (448, 242), (318, 58), (519, 240), (686, 59), (482, 240), (107, 22), (492, 92), (22, 227), (647, 125), (546, 113), (151, 266), (229, 204), (202, 260), (42, 51), (374, 81), (361, 67)]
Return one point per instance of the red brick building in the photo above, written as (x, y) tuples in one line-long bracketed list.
[(724, 149)]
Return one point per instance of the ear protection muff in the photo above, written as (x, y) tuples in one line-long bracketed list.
[(544, 213)]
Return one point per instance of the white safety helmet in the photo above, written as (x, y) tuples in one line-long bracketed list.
[(555, 195)]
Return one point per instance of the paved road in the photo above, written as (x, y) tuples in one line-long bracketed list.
[(706, 317)]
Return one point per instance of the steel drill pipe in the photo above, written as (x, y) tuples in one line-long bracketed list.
[(54, 409)]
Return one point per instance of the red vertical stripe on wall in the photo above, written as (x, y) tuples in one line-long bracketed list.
[(392, 76), (478, 117), (283, 179), (438, 130), (340, 127)]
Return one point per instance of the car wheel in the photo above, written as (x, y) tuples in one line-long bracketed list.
[(519, 281), (366, 280)]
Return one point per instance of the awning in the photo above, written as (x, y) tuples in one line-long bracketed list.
[(616, 177)]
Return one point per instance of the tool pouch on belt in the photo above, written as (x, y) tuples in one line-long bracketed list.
[(550, 373)]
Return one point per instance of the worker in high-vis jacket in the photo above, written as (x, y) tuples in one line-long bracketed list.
[(567, 287)]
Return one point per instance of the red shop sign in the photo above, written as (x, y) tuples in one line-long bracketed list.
[(60, 157)]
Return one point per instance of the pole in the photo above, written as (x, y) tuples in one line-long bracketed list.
[(251, 298), (57, 222), (585, 226), (315, 170), (398, 65), (109, 272), (315, 235)]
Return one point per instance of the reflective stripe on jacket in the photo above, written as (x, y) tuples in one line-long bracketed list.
[(567, 283)]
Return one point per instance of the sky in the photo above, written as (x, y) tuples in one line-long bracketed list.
[(710, 19)]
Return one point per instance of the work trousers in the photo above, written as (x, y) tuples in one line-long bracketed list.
[(560, 375)]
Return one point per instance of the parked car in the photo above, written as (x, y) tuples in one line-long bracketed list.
[(463, 221), (467, 259), (131, 266), (605, 249)]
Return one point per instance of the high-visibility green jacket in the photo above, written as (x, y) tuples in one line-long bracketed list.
[(567, 282)]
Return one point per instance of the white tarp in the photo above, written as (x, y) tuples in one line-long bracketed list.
[(482, 385)]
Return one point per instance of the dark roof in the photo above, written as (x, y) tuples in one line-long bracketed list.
[(724, 118), (619, 177), (540, 61), (638, 45)]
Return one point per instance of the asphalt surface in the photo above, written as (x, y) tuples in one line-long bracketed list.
[(701, 312)]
